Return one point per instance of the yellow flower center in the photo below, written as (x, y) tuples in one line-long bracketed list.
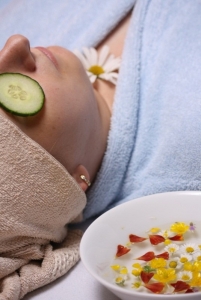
[(119, 280), (165, 234), (96, 70), (124, 271), (154, 230), (167, 242), (115, 267), (199, 258), (136, 272), (173, 264), (137, 265), (183, 260), (136, 284), (189, 249), (185, 277), (172, 249)]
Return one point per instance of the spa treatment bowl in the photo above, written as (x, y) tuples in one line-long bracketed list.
[(148, 248)]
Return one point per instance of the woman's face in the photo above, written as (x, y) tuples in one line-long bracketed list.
[(70, 125)]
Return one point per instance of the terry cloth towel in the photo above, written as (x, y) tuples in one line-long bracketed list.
[(154, 144), (38, 197), (74, 24)]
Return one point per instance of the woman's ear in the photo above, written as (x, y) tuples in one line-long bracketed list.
[(81, 175)]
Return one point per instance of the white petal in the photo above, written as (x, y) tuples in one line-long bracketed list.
[(113, 80), (109, 59), (112, 65), (114, 74), (109, 77), (82, 59), (88, 55), (103, 55), (89, 73), (93, 78), (94, 57)]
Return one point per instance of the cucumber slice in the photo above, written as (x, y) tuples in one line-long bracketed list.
[(20, 94)]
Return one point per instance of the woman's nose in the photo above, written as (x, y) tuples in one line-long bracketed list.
[(16, 55)]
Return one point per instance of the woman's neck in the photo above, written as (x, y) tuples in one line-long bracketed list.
[(115, 40)]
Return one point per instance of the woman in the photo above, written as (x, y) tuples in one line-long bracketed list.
[(72, 127), (157, 148)]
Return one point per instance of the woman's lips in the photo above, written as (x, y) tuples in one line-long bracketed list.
[(49, 54)]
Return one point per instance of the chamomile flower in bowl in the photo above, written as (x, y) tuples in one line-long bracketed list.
[(189, 248), (174, 263), (172, 249), (147, 248), (183, 258)]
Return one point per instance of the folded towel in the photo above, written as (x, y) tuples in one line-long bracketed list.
[(38, 197)]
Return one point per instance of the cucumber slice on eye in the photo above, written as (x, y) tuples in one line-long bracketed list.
[(20, 94)]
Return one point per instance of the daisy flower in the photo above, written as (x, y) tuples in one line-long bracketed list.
[(189, 248), (183, 258), (120, 281), (174, 263), (185, 275), (197, 256), (172, 248), (124, 272), (103, 65), (136, 284)]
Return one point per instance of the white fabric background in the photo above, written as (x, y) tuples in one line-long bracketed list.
[(77, 284)]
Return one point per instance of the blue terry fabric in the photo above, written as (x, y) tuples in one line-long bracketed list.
[(68, 23), (155, 140)]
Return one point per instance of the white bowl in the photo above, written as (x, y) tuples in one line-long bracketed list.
[(99, 242)]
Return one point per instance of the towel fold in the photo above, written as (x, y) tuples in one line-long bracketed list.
[(155, 137), (38, 197)]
